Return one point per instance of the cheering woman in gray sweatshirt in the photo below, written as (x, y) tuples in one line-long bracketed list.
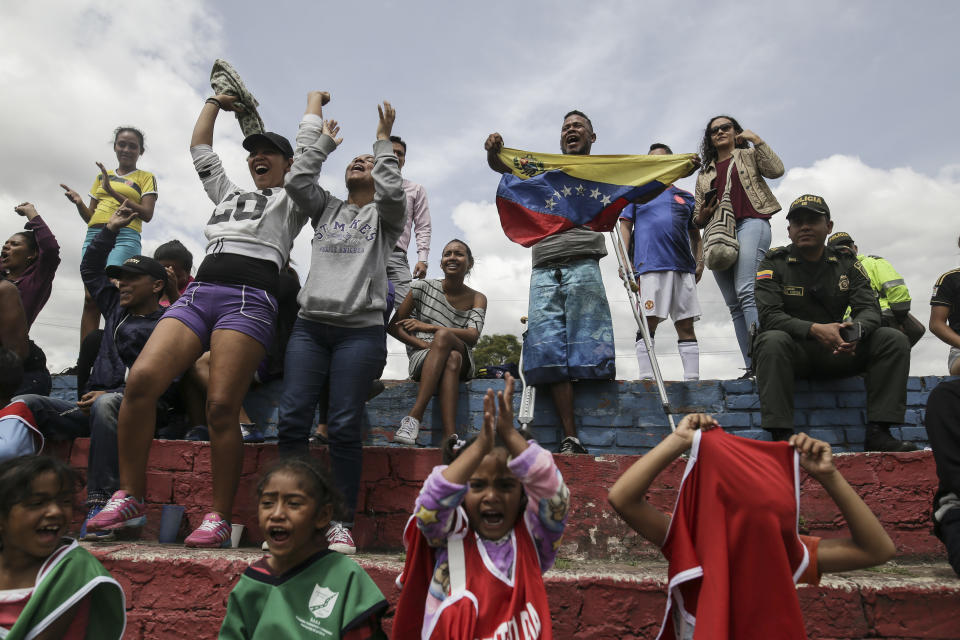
[(338, 338)]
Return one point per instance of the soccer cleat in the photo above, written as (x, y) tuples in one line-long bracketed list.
[(212, 533), (408, 431), (121, 511), (571, 445), (340, 539)]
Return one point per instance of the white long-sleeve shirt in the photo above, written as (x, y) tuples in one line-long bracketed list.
[(418, 219)]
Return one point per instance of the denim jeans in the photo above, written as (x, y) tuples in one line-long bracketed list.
[(100, 425), (736, 283), (349, 360)]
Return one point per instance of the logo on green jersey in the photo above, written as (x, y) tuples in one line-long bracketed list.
[(322, 601)]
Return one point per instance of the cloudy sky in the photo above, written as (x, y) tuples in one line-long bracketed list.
[(858, 98)]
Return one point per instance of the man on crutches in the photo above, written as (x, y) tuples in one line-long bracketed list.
[(667, 262), (630, 284)]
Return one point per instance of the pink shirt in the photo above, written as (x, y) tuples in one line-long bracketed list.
[(166, 303), (418, 216)]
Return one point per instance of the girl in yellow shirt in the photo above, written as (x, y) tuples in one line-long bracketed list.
[(126, 185)]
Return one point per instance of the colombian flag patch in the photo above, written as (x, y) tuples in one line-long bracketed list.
[(765, 274)]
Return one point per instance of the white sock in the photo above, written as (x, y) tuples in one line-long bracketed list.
[(643, 359), (690, 357)]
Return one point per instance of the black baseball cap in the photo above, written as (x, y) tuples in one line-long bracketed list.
[(809, 202), (841, 238), (275, 140), (138, 265)]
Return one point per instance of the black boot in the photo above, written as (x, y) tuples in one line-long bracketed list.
[(878, 438)]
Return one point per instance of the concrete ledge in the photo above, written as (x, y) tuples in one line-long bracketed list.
[(170, 589), (622, 416), (897, 487)]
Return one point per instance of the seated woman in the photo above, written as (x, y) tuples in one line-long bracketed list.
[(440, 321)]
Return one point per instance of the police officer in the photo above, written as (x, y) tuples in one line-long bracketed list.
[(891, 289), (803, 291)]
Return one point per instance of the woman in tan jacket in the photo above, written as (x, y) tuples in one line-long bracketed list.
[(726, 142)]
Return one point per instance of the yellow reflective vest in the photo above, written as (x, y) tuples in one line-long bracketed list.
[(892, 292)]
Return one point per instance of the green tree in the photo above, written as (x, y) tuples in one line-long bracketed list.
[(495, 349)]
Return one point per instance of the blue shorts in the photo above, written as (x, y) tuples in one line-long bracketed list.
[(570, 332), (127, 246), (206, 307)]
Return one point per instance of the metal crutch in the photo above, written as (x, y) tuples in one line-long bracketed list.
[(529, 396), (630, 284)]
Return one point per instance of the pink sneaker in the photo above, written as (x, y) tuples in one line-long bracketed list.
[(213, 532), (122, 510), (340, 539)]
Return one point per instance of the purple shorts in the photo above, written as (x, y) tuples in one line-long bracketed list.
[(206, 307)]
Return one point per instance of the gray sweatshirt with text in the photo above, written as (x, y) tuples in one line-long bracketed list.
[(347, 282)]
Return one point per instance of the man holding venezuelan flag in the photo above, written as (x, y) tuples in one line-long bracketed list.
[(558, 205)]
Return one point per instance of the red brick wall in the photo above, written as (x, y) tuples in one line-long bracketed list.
[(898, 487)]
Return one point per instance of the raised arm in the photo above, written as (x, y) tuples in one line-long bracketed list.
[(461, 470), (628, 494), (206, 162), (203, 129), (768, 163), (85, 212), (49, 257), (869, 544), (493, 145), (316, 140), (388, 193)]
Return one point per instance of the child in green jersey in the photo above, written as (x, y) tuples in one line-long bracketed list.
[(49, 586), (302, 589)]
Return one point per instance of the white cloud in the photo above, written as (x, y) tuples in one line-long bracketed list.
[(90, 71)]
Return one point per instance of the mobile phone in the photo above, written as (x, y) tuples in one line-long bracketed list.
[(852, 333), (709, 195)]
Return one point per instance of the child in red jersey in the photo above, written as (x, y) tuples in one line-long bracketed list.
[(484, 530), (735, 554)]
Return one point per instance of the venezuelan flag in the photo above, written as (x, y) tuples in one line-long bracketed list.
[(549, 193)]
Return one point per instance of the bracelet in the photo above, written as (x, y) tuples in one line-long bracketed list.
[(213, 101)]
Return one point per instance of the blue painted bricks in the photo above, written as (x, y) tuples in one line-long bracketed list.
[(624, 416)]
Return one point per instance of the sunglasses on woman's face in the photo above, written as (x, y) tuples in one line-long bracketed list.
[(726, 126)]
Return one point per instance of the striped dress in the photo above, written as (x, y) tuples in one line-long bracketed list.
[(431, 307)]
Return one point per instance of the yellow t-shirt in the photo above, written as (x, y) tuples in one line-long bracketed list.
[(132, 186)]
